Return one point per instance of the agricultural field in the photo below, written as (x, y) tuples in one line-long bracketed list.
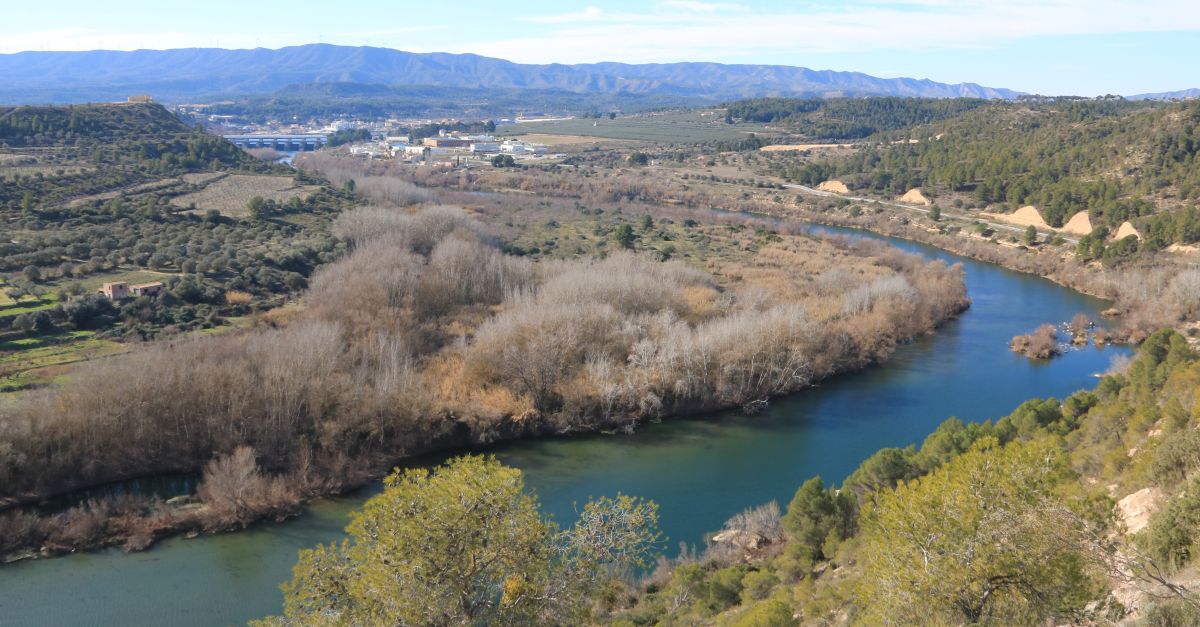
[(28, 362), (91, 194), (685, 127), (228, 194)]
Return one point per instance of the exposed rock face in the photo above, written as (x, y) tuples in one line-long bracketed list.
[(1079, 224), (914, 196), (1125, 230), (745, 540), (1136, 509), (836, 187)]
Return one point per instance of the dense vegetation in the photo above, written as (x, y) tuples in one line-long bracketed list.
[(477, 551), (87, 198), (848, 118), (1115, 160), (427, 335), (993, 523)]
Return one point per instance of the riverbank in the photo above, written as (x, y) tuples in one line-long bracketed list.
[(699, 469), (797, 310), (1146, 295)]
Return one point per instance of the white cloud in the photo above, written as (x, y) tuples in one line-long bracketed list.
[(589, 14), (703, 7), (672, 31)]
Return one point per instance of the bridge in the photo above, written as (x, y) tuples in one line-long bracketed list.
[(288, 143)]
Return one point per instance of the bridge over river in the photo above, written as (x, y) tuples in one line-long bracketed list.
[(287, 143)]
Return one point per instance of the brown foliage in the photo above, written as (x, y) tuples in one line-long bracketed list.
[(1041, 344), (426, 335), (237, 492)]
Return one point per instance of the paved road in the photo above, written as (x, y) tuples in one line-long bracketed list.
[(995, 225)]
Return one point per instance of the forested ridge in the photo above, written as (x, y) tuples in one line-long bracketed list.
[(1115, 159), (848, 118)]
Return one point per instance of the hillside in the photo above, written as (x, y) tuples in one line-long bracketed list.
[(126, 193), (195, 72), (1117, 160), (1068, 511), (1181, 94)]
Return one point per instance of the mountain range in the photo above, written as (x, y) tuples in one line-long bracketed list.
[(1182, 94), (191, 73)]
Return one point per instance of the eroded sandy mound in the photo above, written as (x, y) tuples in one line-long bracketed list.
[(836, 187), (1184, 249), (1022, 217), (914, 196), (1125, 230), (1079, 224)]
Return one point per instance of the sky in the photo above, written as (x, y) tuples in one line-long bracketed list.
[(1078, 47)]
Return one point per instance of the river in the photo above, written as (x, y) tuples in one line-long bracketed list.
[(701, 471)]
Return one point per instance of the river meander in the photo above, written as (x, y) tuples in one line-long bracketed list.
[(699, 470)]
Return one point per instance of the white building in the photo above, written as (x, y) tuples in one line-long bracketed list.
[(517, 147), (484, 148)]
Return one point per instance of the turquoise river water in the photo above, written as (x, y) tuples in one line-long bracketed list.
[(701, 470)]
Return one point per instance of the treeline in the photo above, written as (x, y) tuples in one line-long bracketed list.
[(848, 118), (401, 350), (1117, 161), (61, 125), (1001, 522)]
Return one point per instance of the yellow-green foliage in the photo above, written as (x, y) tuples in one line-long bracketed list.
[(994, 523), (984, 538), (465, 544)]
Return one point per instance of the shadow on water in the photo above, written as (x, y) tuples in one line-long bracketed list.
[(701, 470)]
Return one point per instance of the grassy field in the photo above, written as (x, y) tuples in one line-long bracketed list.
[(34, 361), (229, 194), (26, 305), (130, 276), (671, 128)]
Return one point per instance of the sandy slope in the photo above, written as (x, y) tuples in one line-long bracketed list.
[(1022, 217), (915, 197), (1125, 230), (834, 186), (1079, 224)]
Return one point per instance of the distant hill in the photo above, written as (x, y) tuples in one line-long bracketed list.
[(87, 125), (1182, 94), (197, 72)]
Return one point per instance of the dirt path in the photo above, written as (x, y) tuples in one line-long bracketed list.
[(946, 214)]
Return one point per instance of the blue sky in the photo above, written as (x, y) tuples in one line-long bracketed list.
[(1084, 47)]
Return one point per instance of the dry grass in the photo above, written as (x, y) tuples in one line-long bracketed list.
[(151, 186), (202, 178), (230, 194)]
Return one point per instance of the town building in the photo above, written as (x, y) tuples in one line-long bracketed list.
[(516, 147), (117, 290), (147, 289), (485, 148), (447, 142)]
